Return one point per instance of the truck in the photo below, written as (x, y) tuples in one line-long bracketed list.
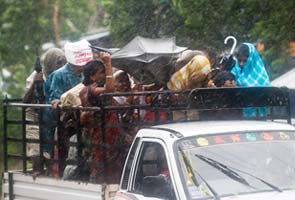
[(195, 156)]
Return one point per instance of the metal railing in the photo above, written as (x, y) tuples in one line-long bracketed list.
[(165, 103)]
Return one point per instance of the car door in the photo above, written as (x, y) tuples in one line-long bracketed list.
[(150, 165)]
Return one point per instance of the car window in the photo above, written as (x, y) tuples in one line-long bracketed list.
[(127, 169), (244, 162), (152, 162)]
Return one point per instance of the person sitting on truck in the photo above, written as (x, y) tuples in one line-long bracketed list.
[(70, 74), (250, 71), (77, 55), (219, 78), (53, 59), (149, 116), (222, 79), (185, 57), (122, 84), (98, 79), (127, 117), (192, 75)]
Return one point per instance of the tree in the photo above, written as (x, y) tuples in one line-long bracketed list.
[(26, 25), (276, 29), (152, 18), (202, 24)]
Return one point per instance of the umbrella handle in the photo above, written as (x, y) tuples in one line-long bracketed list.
[(100, 49), (234, 44)]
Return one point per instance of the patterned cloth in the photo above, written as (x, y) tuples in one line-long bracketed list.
[(113, 155), (253, 73), (197, 69)]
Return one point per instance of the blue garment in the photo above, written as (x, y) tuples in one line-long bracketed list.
[(57, 83), (61, 81), (252, 74)]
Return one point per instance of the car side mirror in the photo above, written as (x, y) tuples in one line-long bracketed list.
[(156, 186)]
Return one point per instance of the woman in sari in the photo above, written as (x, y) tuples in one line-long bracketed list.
[(98, 79), (249, 71)]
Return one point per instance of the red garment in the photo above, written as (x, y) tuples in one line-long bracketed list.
[(112, 137), (150, 116)]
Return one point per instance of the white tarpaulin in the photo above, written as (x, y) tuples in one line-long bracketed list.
[(287, 80)]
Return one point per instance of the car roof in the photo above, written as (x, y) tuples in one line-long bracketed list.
[(187, 129)]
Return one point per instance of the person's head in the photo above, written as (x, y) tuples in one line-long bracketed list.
[(185, 57), (94, 72), (211, 55), (224, 79), (251, 67), (54, 58), (242, 55), (122, 82), (78, 54), (226, 62)]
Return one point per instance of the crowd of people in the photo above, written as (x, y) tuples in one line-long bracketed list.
[(76, 76)]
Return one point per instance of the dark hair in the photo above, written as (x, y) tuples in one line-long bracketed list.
[(211, 55), (90, 69), (213, 73), (221, 77), (227, 62), (121, 73), (243, 51)]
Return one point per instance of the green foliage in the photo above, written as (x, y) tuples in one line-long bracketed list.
[(74, 17), (25, 26), (276, 29), (129, 18), (21, 31), (204, 24)]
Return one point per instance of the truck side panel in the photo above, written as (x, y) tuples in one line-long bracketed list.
[(23, 187)]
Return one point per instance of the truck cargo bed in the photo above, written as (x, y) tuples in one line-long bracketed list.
[(17, 185)]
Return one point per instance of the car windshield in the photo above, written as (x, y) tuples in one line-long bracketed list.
[(237, 163)]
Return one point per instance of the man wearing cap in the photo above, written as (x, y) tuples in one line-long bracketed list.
[(77, 55), (63, 79)]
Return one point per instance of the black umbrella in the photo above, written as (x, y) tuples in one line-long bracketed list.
[(148, 60), (227, 62), (158, 71)]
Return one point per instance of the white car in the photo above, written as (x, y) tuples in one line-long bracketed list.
[(211, 160)]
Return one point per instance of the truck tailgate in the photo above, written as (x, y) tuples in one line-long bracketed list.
[(23, 187)]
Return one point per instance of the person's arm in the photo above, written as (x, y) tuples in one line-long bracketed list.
[(97, 90), (29, 93), (106, 59)]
